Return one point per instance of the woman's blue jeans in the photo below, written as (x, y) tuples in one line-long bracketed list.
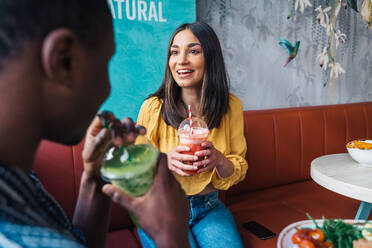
[(210, 225)]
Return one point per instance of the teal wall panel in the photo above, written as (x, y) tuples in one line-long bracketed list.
[(142, 29)]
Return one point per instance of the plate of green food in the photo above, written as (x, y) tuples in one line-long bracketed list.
[(326, 233)]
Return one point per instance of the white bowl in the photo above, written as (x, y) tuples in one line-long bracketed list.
[(363, 156)]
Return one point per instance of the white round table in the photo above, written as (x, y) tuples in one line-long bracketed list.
[(341, 174)]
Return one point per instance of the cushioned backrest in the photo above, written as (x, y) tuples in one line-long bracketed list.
[(283, 142), (59, 168), (53, 165)]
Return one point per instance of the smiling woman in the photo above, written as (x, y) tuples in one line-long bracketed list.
[(195, 76)]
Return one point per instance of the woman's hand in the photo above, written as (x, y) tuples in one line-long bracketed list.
[(176, 161), (212, 157)]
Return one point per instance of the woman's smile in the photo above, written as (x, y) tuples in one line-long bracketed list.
[(185, 73)]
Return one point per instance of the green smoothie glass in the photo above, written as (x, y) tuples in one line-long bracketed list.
[(132, 168)]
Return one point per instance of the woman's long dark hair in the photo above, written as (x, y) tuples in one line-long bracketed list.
[(215, 87)]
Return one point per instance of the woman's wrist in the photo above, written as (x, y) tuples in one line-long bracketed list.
[(224, 167), (222, 163)]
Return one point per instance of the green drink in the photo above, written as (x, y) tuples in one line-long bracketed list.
[(131, 169)]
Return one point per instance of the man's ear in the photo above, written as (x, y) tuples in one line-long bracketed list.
[(59, 52)]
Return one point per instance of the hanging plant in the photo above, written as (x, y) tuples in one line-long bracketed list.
[(327, 18), (335, 37)]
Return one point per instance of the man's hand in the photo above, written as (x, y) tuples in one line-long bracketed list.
[(93, 206), (163, 212), (105, 131), (97, 140)]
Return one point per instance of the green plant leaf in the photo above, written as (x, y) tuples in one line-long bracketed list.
[(353, 4)]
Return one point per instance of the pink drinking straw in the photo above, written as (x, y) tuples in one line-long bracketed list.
[(190, 117)]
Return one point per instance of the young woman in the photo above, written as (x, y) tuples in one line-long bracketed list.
[(195, 75)]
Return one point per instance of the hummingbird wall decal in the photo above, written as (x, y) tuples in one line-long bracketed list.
[(292, 50)]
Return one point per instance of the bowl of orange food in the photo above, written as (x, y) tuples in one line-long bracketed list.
[(361, 151)]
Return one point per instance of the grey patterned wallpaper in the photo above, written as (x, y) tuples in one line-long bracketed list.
[(249, 32)]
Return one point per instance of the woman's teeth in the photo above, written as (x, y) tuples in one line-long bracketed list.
[(184, 71)]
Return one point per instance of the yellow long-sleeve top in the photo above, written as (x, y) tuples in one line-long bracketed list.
[(228, 138)]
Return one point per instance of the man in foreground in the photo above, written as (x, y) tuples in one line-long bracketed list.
[(53, 78)]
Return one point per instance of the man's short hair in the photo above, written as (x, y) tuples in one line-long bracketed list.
[(26, 20)]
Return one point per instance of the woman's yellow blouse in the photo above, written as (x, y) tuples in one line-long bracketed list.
[(228, 139)]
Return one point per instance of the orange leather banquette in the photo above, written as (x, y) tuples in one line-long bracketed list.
[(277, 190)]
